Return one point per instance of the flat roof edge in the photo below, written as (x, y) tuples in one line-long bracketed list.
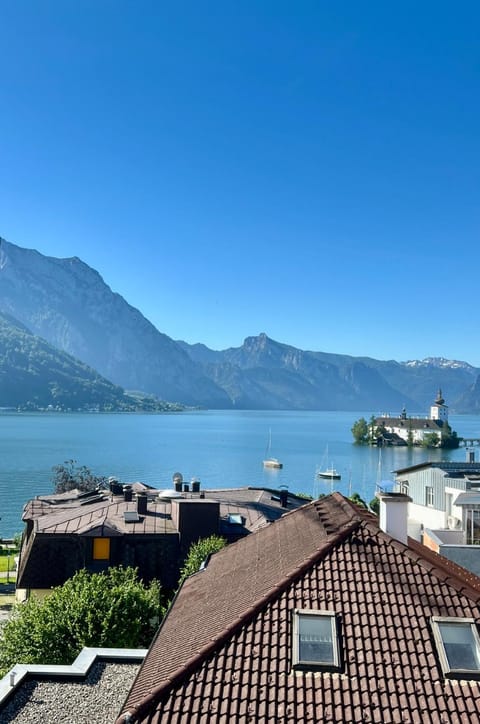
[(80, 667)]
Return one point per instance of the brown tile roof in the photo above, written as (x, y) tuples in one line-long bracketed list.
[(223, 653)]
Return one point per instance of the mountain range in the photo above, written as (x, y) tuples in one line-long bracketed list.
[(34, 375), (68, 305)]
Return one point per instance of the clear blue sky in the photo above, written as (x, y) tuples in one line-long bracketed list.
[(306, 169)]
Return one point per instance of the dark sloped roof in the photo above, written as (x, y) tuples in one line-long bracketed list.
[(223, 652), (412, 423), (69, 513), (453, 469)]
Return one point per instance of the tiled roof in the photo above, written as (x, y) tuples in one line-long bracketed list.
[(224, 654)]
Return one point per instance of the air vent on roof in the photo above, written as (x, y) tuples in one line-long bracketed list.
[(131, 516)]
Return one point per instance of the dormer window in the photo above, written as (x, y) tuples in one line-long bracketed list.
[(315, 640), (458, 646)]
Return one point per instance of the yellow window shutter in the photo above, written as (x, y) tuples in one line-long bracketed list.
[(101, 549)]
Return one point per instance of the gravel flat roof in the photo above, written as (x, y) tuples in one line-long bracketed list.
[(97, 698)]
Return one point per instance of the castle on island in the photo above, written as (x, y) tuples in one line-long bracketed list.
[(403, 430)]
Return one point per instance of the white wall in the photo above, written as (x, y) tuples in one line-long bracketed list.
[(428, 517)]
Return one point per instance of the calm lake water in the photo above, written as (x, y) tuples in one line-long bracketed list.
[(221, 448)]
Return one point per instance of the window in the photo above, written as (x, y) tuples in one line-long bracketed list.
[(315, 640), (429, 496), (101, 549), (448, 503), (458, 646), (404, 487), (473, 526)]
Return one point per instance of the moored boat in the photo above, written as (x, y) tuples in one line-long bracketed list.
[(270, 462), (329, 474)]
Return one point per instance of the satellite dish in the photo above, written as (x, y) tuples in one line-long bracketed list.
[(177, 478)]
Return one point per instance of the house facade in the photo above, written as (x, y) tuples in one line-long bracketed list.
[(320, 617), (444, 512), (405, 430)]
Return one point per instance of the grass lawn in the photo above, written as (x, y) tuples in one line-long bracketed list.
[(6, 599), (7, 562)]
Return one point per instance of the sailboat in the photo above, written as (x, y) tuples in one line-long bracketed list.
[(328, 473), (270, 462)]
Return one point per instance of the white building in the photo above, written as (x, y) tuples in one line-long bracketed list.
[(403, 430), (444, 512)]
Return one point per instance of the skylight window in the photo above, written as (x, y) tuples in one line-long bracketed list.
[(235, 519), (131, 516), (458, 646), (315, 640)]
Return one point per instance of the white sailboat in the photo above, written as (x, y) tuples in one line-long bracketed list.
[(269, 461), (328, 473)]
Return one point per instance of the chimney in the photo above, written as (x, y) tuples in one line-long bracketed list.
[(178, 482), (394, 514), (142, 500), (115, 487), (127, 493), (195, 518), (284, 497)]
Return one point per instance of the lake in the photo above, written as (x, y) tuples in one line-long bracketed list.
[(221, 448)]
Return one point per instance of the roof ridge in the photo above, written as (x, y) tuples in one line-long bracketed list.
[(209, 648)]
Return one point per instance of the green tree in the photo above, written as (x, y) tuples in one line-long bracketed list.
[(69, 476), (449, 437), (374, 505), (111, 609), (360, 431), (358, 500), (431, 439), (199, 552)]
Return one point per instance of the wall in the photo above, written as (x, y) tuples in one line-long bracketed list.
[(428, 517)]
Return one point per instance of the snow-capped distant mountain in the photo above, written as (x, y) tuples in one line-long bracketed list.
[(442, 363)]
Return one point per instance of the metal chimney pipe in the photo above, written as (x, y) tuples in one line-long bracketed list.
[(142, 501)]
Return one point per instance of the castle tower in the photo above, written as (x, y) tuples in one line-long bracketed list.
[(439, 410)]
